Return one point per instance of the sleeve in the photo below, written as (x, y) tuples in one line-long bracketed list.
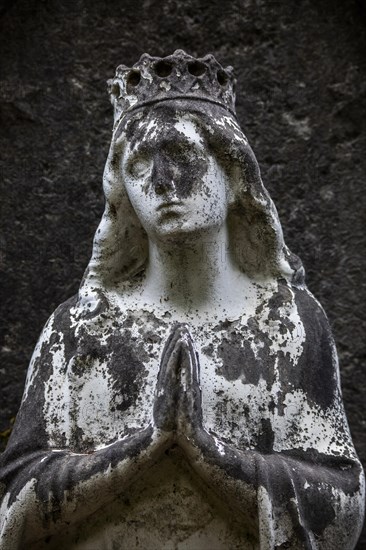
[(301, 480), (43, 488), (311, 491)]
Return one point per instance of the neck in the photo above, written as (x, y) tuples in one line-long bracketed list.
[(193, 274)]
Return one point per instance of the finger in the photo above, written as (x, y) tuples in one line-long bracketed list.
[(190, 361), (190, 396), (169, 358), (171, 341), (168, 384), (166, 394)]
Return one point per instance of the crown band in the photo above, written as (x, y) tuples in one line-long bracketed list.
[(179, 76), (188, 97)]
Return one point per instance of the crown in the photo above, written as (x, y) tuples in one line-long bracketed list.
[(177, 76)]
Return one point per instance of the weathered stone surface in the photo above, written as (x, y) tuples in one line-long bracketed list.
[(301, 103)]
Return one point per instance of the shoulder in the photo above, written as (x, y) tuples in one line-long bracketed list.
[(309, 308), (318, 362), (58, 327), (317, 329), (64, 311), (29, 431), (60, 319), (298, 303), (56, 338)]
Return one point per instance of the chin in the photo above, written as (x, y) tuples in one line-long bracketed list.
[(172, 228), (176, 234), (179, 232)]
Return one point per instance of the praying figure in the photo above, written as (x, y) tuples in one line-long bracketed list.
[(188, 396)]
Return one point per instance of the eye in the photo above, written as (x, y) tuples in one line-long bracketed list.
[(139, 166)]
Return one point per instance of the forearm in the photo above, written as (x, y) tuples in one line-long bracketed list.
[(57, 488), (231, 473), (320, 498)]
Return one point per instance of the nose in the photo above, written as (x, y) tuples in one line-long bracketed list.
[(162, 175)]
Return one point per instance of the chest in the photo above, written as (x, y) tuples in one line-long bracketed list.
[(108, 388)]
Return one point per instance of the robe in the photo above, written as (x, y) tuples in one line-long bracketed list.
[(276, 446)]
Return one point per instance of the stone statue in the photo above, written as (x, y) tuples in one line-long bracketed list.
[(188, 397)]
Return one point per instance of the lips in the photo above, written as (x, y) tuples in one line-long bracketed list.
[(169, 204)]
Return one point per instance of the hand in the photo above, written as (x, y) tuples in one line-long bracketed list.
[(199, 445), (168, 387), (189, 418), (177, 406)]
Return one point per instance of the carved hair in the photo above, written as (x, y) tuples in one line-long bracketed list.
[(120, 247)]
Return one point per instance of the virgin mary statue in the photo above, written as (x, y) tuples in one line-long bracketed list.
[(188, 396)]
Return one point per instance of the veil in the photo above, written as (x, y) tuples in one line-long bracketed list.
[(120, 246)]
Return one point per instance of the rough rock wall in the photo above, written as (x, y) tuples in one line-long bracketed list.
[(301, 71)]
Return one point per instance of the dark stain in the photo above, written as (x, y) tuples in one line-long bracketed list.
[(127, 368), (318, 503), (102, 305), (150, 336), (238, 359), (128, 322), (208, 350), (316, 369), (81, 443), (222, 325), (265, 438), (281, 297), (62, 324), (177, 165)]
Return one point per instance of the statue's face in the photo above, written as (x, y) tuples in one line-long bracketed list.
[(175, 184)]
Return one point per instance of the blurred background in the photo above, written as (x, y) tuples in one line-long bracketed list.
[(301, 69)]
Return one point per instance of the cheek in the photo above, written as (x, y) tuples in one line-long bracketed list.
[(214, 208), (134, 194), (136, 173), (199, 171), (215, 196), (141, 202), (214, 188)]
